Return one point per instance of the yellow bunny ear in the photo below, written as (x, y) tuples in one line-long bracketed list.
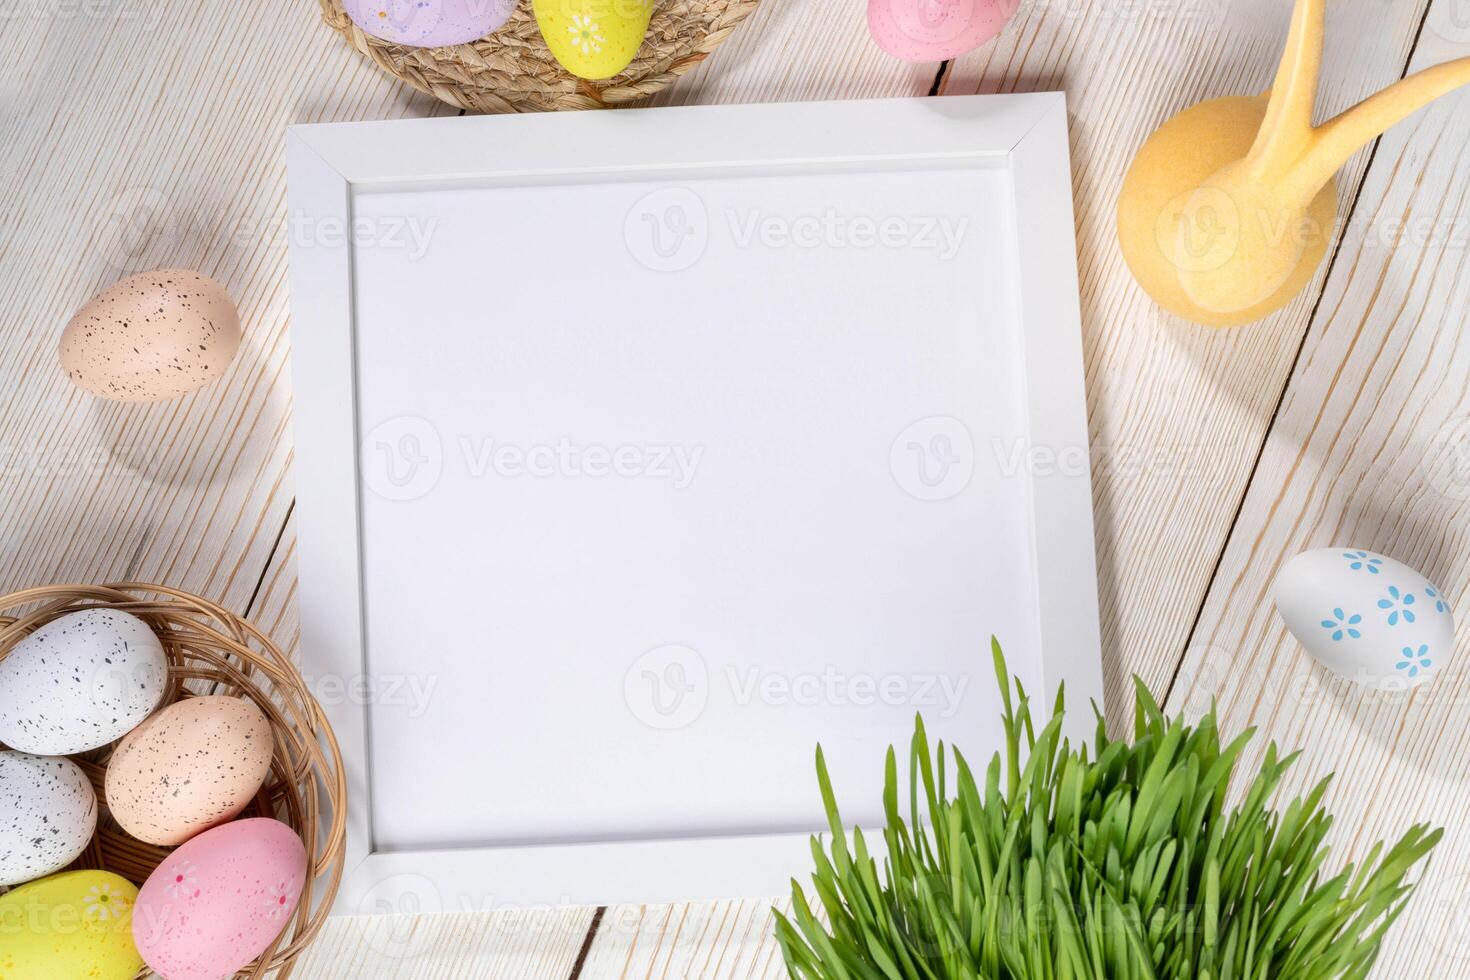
[(1227, 209), (1286, 133), (1289, 149), (1337, 140)]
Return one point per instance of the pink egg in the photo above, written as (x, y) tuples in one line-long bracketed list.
[(429, 23), (218, 901), (936, 30)]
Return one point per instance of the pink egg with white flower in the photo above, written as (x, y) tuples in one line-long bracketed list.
[(219, 900), (936, 30)]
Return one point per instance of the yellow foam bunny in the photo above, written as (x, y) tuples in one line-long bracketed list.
[(1228, 208)]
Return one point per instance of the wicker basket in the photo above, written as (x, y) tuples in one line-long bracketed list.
[(513, 70), (213, 651)]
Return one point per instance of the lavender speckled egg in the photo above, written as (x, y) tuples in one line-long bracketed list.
[(191, 766), (219, 900), (48, 813), (429, 23), (152, 336), (79, 682)]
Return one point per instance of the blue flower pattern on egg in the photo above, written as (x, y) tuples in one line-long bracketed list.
[(1367, 617), (1341, 625), (1398, 605), (1362, 560), (1415, 660)]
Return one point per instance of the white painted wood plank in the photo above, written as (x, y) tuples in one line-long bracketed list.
[(153, 152), (1177, 411), (502, 945), (708, 940), (1371, 447)]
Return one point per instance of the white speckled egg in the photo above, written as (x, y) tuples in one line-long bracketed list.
[(193, 765), (48, 813), (79, 682), (1364, 616), (152, 336)]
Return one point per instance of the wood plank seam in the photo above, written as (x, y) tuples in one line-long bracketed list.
[(587, 942), (269, 560), (1344, 222)]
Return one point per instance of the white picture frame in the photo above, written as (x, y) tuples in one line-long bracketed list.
[(335, 171)]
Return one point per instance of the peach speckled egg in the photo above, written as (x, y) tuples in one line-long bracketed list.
[(192, 766), (152, 336), (219, 900)]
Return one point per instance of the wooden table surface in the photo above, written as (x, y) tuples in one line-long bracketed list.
[(139, 133)]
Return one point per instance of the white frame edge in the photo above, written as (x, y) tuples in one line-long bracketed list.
[(1027, 133)]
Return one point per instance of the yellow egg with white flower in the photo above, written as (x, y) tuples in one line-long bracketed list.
[(594, 39), (74, 924)]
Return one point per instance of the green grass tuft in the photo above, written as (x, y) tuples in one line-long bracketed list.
[(1124, 864)]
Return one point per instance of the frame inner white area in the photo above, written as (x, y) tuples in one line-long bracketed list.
[(664, 482)]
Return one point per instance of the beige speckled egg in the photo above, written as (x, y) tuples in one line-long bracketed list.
[(152, 336), (191, 766)]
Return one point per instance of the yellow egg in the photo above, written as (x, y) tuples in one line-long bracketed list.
[(593, 38), (74, 924)]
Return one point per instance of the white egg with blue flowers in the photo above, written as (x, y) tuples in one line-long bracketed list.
[(1366, 617)]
